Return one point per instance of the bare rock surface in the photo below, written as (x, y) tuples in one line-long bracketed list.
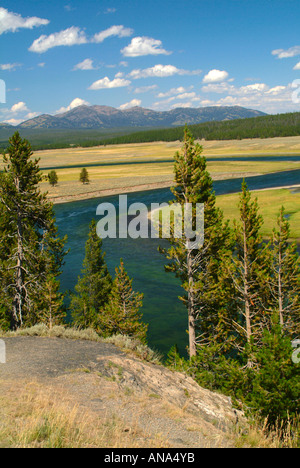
[(108, 382)]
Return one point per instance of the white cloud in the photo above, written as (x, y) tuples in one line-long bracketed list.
[(160, 71), (69, 8), (291, 52), (174, 91), (276, 90), (13, 121), (19, 107), (145, 89), (31, 115), (129, 105), (118, 31), (41, 65), (219, 88), (215, 76), (297, 67), (254, 88), (9, 66), (141, 46), (17, 114), (106, 83), (186, 96), (206, 103), (68, 37), (10, 21), (87, 64), (75, 103), (109, 11), (262, 97), (185, 105)]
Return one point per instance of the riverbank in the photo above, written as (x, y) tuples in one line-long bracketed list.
[(67, 193)]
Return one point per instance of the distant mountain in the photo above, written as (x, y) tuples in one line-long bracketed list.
[(4, 126), (95, 117)]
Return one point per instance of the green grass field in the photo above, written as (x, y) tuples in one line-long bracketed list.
[(270, 202)]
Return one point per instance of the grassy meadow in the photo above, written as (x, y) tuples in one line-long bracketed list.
[(149, 165), (270, 202), (142, 166)]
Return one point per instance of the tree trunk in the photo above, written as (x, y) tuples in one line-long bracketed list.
[(247, 297), (17, 312), (191, 306), (280, 298)]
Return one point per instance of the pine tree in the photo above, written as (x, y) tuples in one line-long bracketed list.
[(198, 269), (51, 309), (28, 227), (94, 286), (84, 176), (284, 280), (122, 314), (276, 384), (249, 273), (53, 178), (174, 360)]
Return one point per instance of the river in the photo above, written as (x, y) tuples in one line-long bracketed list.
[(163, 311)]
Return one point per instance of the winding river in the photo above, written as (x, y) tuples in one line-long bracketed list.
[(162, 309)]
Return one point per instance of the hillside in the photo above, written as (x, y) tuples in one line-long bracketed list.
[(152, 404), (96, 117)]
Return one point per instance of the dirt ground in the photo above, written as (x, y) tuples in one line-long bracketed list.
[(156, 407)]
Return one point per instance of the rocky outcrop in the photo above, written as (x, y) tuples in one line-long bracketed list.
[(174, 387)]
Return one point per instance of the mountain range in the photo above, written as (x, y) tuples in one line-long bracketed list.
[(96, 117)]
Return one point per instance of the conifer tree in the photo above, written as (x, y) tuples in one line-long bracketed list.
[(198, 269), (51, 310), (28, 232), (275, 392), (122, 314), (284, 280), (249, 273), (53, 178), (94, 286), (84, 176)]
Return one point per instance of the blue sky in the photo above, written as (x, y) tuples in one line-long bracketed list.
[(155, 54)]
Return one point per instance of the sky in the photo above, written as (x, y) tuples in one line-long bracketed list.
[(157, 54)]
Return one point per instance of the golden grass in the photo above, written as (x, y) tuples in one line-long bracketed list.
[(163, 150), (120, 177), (256, 146), (34, 415), (259, 436)]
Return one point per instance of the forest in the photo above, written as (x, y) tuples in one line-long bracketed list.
[(241, 292), (269, 126)]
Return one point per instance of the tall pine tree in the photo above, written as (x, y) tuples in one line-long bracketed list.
[(284, 279), (250, 270), (28, 233), (94, 285), (198, 269)]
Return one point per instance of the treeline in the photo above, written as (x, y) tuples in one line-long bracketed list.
[(242, 297), (270, 126), (44, 139)]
